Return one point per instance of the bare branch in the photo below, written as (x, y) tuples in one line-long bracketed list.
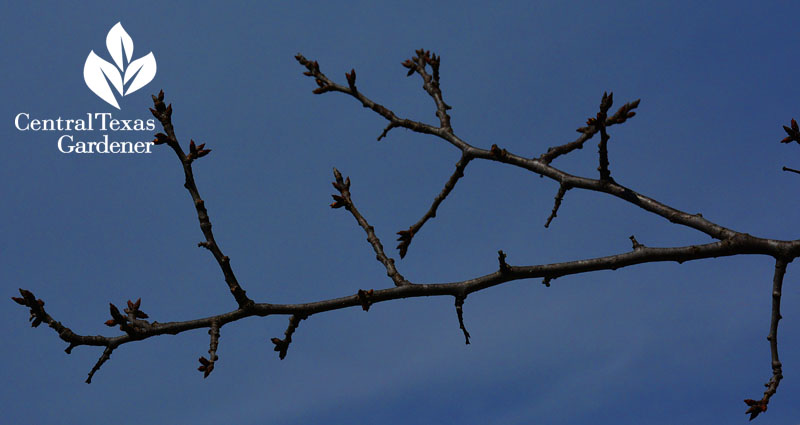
[(345, 201), (791, 169), (103, 358), (729, 242), (460, 314), (326, 85), (207, 364), (758, 406), (164, 115), (605, 104), (562, 190), (405, 236), (622, 115)]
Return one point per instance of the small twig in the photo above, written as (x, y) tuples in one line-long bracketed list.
[(600, 121), (344, 200), (758, 406), (460, 314), (791, 169), (326, 85), (430, 82), (207, 364), (562, 190), (164, 115), (622, 115), (105, 356), (405, 236), (282, 345)]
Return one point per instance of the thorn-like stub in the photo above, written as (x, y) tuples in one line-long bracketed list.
[(501, 258), (460, 315), (636, 245)]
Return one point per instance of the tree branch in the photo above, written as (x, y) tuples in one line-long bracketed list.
[(758, 406), (164, 115), (405, 236), (728, 242), (345, 201)]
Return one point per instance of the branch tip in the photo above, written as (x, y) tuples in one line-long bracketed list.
[(460, 314)]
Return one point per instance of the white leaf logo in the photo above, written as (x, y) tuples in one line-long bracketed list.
[(101, 75)]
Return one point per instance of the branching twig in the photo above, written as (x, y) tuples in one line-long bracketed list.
[(728, 241), (622, 115), (326, 85), (431, 82), (282, 345)]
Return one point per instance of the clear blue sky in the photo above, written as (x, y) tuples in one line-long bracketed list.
[(656, 344)]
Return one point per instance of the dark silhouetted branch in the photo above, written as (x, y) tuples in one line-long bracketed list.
[(405, 236), (460, 314), (728, 242), (758, 406), (345, 201), (562, 190), (164, 115), (207, 364)]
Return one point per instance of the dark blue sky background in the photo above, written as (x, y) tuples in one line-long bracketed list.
[(656, 344)]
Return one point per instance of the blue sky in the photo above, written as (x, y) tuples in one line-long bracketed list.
[(656, 344)]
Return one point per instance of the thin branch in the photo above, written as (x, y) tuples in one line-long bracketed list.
[(539, 166), (405, 236), (605, 104), (562, 190), (326, 85), (345, 201), (430, 82), (744, 244), (103, 358), (164, 115), (729, 242), (282, 345), (758, 406), (460, 314), (501, 258), (622, 115), (207, 364), (791, 169)]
